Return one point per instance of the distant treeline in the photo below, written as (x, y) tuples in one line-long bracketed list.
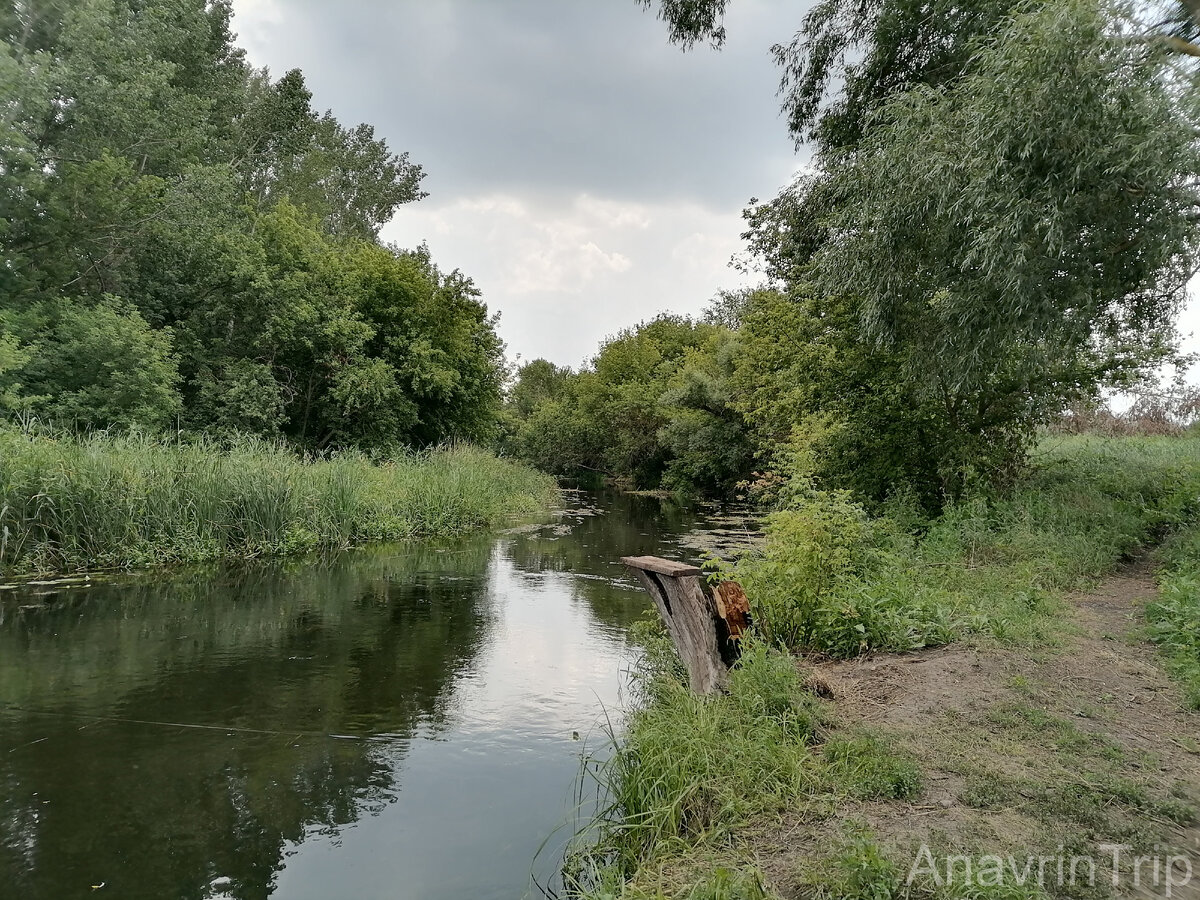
[(186, 243)]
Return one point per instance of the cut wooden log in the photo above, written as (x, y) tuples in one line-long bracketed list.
[(704, 624), (734, 607)]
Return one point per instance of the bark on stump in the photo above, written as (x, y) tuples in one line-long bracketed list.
[(704, 623)]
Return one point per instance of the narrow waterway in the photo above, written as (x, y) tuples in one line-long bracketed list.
[(397, 722)]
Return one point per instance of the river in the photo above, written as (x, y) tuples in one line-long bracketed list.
[(402, 721)]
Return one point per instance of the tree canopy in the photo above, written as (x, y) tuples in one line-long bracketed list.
[(999, 220), (185, 240)]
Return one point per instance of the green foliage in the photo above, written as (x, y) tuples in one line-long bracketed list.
[(848, 56), (110, 501), (727, 884), (141, 157), (691, 768), (1050, 161), (833, 581), (1071, 158), (692, 21), (859, 870), (815, 557), (12, 359), (1174, 617), (721, 883), (869, 770), (98, 366), (990, 568), (803, 375), (653, 409)]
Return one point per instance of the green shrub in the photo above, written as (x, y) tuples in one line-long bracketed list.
[(1174, 618), (832, 581), (815, 557)]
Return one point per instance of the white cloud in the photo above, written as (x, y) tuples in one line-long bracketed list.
[(565, 272)]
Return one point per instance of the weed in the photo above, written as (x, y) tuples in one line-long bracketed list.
[(691, 768), (1174, 618), (857, 870), (866, 768), (986, 790), (832, 580)]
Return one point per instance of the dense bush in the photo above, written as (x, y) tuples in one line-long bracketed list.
[(653, 409), (1175, 616), (832, 580)]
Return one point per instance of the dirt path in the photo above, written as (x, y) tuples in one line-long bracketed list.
[(1074, 747)]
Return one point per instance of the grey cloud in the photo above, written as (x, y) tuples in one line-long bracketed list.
[(547, 96)]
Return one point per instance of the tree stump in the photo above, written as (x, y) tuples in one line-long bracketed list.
[(704, 623)]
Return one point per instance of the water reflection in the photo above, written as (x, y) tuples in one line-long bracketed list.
[(396, 722)]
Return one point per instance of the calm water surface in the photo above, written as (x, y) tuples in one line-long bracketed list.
[(397, 722)]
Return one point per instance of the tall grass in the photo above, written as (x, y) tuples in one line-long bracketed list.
[(691, 770), (1175, 616), (105, 501)]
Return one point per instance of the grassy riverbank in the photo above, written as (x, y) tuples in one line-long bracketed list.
[(1175, 616), (69, 504), (706, 792)]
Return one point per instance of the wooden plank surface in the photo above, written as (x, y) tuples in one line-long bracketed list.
[(668, 567)]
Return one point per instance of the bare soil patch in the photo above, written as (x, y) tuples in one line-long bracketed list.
[(1023, 752)]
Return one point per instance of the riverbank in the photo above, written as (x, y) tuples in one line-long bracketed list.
[(1046, 726), (71, 504)]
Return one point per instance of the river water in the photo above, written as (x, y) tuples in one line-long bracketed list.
[(402, 721)]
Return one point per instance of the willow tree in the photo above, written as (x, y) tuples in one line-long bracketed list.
[(1000, 217), (1025, 235)]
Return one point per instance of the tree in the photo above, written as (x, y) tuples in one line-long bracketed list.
[(99, 366), (999, 219), (652, 408), (347, 177), (1055, 191), (141, 157), (705, 436), (692, 21), (848, 56)]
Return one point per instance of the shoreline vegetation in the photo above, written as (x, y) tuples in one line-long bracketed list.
[(694, 783), (105, 501), (995, 231)]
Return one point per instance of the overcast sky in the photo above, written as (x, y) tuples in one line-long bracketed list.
[(584, 172)]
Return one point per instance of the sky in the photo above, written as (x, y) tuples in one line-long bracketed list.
[(584, 172)]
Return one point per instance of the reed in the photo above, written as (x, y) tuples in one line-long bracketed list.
[(116, 501)]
